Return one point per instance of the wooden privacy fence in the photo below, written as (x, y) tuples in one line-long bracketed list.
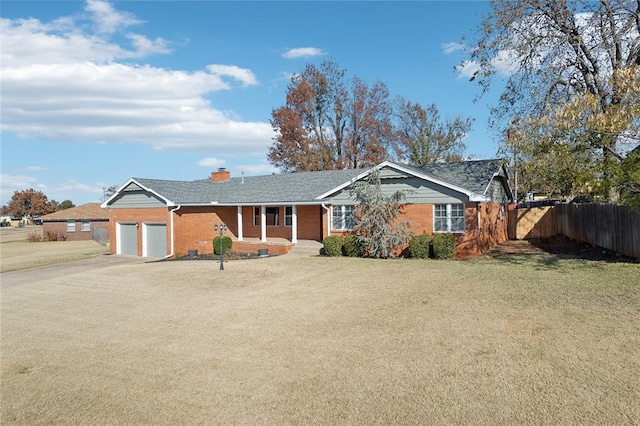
[(606, 225), (535, 222), (609, 226)]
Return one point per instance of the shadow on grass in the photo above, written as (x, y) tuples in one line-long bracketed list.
[(547, 253)]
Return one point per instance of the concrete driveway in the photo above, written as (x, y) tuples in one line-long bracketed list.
[(67, 269)]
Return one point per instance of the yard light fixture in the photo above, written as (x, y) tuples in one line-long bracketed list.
[(220, 227)]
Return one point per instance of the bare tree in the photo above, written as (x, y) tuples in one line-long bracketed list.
[(423, 137), (329, 122), (563, 56)]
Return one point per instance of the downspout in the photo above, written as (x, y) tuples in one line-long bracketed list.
[(175, 209), (328, 219)]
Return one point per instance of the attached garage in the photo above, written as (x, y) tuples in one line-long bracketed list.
[(127, 241), (154, 236)]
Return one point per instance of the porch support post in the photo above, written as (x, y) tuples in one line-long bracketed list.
[(263, 223), (294, 224), (239, 223)]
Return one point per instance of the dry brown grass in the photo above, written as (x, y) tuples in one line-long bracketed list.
[(22, 254), (299, 340)]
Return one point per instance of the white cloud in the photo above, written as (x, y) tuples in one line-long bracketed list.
[(467, 69), (60, 82), (11, 183), (303, 52), (35, 168), (452, 47), (258, 169), (65, 191), (211, 163), (144, 46), (243, 75), (107, 19)]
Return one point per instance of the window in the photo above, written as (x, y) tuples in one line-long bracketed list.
[(448, 218), (343, 217), (272, 213), (86, 226), (288, 217), (71, 225)]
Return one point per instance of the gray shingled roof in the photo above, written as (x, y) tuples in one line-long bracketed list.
[(473, 176), (278, 188), (304, 187)]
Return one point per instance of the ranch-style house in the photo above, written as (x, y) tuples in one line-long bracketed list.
[(166, 218)]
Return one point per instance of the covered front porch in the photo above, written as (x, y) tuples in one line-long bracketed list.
[(278, 225)]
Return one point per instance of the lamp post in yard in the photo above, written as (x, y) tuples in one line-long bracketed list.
[(221, 227)]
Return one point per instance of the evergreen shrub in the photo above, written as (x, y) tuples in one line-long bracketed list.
[(353, 246), (420, 246), (226, 244), (443, 246), (332, 245)]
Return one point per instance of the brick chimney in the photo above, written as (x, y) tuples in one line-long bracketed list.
[(222, 175)]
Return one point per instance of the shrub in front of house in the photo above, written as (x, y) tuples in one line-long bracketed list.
[(35, 237), (332, 245), (352, 246), (420, 246), (443, 246), (226, 244)]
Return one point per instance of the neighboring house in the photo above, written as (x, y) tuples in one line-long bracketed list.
[(163, 218), (85, 222)]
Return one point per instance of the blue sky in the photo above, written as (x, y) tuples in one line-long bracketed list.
[(96, 92)]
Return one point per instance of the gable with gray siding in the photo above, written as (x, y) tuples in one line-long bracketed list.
[(416, 190), (133, 196)]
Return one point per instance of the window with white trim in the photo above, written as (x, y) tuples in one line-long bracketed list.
[(256, 216), (343, 218), (71, 225), (448, 218), (288, 216), (85, 226)]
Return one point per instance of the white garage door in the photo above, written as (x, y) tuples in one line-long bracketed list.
[(155, 239), (128, 239)]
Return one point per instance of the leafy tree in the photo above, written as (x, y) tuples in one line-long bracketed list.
[(377, 215), (572, 70), (29, 203), (423, 137), (66, 204), (330, 122)]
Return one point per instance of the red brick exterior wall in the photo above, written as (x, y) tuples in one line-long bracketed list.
[(494, 225), (193, 226), (148, 215), (57, 231), (473, 241)]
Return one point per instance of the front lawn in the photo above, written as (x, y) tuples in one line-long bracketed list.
[(530, 339)]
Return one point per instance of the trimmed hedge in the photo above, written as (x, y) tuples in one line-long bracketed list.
[(420, 246), (443, 246), (332, 245), (352, 246), (226, 244)]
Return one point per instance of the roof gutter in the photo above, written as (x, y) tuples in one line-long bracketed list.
[(328, 218), (171, 212), (253, 203)]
